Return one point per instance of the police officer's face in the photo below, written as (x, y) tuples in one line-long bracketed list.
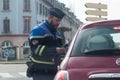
[(55, 21)]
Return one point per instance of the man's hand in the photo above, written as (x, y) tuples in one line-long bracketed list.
[(60, 50)]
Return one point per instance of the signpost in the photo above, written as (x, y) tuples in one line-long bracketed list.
[(96, 11), (6, 54)]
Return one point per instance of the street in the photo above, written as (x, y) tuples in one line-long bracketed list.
[(18, 72)]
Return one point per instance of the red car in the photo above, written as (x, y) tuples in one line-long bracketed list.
[(93, 54)]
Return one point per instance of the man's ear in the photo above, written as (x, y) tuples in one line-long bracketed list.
[(50, 18)]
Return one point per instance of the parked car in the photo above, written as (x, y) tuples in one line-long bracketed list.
[(93, 54)]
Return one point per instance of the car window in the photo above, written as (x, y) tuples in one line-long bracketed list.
[(97, 38)]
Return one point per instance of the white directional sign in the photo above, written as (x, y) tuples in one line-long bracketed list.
[(94, 18), (96, 12), (95, 5)]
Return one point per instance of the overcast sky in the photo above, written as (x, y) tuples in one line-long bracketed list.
[(77, 6)]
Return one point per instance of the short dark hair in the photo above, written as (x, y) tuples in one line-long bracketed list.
[(56, 12)]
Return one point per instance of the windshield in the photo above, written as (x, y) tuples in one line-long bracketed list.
[(96, 39)]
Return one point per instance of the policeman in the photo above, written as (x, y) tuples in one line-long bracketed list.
[(46, 43)]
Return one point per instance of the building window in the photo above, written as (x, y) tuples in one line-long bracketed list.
[(27, 21), (6, 44), (6, 5), (26, 49), (40, 8), (43, 10), (46, 11), (26, 44), (37, 7), (52, 1), (26, 5), (6, 25)]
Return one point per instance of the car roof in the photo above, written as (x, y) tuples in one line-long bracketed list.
[(100, 23)]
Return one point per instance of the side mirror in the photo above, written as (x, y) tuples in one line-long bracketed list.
[(66, 45)]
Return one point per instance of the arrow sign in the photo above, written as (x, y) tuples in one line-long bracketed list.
[(96, 12), (94, 18), (94, 5), (6, 53)]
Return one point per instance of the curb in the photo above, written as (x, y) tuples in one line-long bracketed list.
[(13, 62)]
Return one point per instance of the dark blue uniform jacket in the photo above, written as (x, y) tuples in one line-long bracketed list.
[(43, 41)]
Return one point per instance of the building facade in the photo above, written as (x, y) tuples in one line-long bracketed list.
[(18, 17)]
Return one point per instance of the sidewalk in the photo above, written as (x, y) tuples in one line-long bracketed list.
[(14, 62)]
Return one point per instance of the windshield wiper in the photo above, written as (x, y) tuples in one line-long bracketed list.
[(103, 52)]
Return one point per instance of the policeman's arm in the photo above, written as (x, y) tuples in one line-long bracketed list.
[(37, 47)]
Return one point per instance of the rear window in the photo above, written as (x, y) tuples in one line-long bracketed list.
[(100, 38)]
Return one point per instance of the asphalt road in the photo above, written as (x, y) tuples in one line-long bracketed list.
[(43, 76), (18, 72)]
